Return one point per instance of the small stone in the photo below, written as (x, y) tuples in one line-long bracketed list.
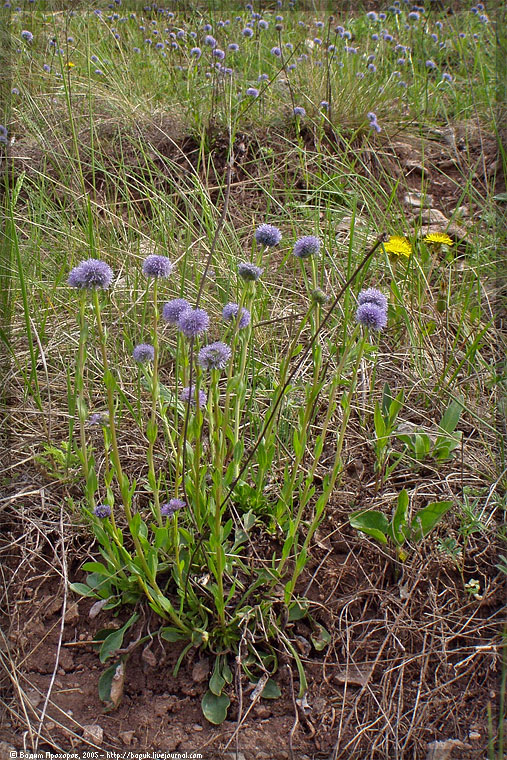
[(197, 727), (33, 697), (474, 736), (200, 671), (126, 737), (417, 200), (93, 733), (262, 711)]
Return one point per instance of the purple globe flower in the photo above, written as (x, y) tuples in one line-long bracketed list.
[(268, 235), (173, 310), (26, 35), (299, 111), (210, 41), (188, 396), (276, 51), (233, 47), (372, 316), (306, 247), (102, 511), (196, 52), (230, 314), (193, 322), (214, 356), (446, 77), (143, 353), (247, 32), (157, 266), (249, 272), (172, 506), (91, 274), (252, 92), (372, 295), (219, 54), (96, 419)]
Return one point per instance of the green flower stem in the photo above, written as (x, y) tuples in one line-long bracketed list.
[(152, 428), (216, 436), (337, 466), (121, 478), (81, 407)]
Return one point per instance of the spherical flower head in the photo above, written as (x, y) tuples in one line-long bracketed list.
[(214, 356), (91, 274), (431, 64), (398, 245), (247, 32), (372, 295), (372, 316), (299, 111), (26, 35), (173, 310), (157, 266), (230, 314), (193, 322), (218, 54), (268, 235), (196, 52), (143, 353), (318, 296), (249, 272), (188, 396), (233, 47), (276, 51), (172, 506), (102, 511), (306, 247), (210, 41), (446, 77), (438, 238), (252, 92)]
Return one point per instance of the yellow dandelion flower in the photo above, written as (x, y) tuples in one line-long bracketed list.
[(438, 238), (70, 65), (398, 245)]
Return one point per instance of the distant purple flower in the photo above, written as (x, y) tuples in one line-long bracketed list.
[(193, 322), (374, 37), (375, 126), (208, 28), (324, 105), (431, 64), (372, 16), (219, 54), (95, 419), (263, 24), (210, 41), (157, 266), (247, 32), (172, 310), (233, 47), (252, 92), (91, 274), (446, 77), (189, 396), (136, 50), (230, 314), (172, 506), (143, 353), (276, 51), (47, 67), (372, 67), (306, 247), (372, 295), (196, 52), (413, 16), (102, 511), (15, 91), (214, 356), (268, 235), (249, 272), (262, 78), (371, 315), (299, 111), (26, 35)]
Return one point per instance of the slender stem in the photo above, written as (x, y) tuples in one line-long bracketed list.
[(152, 478)]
